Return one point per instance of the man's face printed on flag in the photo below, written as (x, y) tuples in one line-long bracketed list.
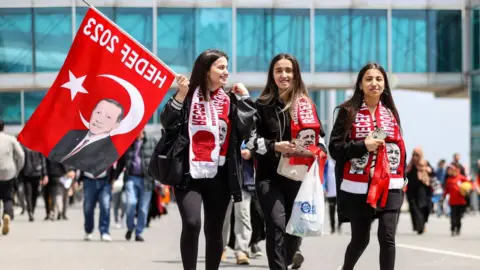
[(105, 117)]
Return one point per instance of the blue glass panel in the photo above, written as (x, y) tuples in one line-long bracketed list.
[(291, 34), (475, 37), (263, 33), (31, 102), (368, 29), (332, 40), (82, 11), (137, 22), (213, 29), (254, 39), (445, 28), (409, 40), (426, 41), (16, 40), (475, 101), (53, 37), (340, 96), (10, 111), (176, 38)]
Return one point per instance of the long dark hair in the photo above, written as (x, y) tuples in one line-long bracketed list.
[(199, 76), (270, 92), (355, 102)]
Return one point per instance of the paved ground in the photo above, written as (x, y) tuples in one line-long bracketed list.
[(58, 245)]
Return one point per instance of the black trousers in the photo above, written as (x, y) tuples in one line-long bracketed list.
[(276, 199), (387, 223), (419, 215), (215, 195), (31, 192), (332, 206), (456, 215), (6, 196)]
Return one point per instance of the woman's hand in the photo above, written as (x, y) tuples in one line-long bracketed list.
[(183, 84), (285, 147), (240, 89), (372, 144)]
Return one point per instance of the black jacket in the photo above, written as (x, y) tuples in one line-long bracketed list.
[(241, 116), (146, 152), (342, 149), (271, 126), (35, 164)]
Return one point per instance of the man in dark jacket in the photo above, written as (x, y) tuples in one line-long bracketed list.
[(138, 183), (54, 189), (33, 173)]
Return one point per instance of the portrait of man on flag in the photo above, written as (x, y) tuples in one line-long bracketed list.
[(107, 90), (92, 147)]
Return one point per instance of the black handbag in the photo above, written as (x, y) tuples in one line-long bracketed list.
[(167, 164)]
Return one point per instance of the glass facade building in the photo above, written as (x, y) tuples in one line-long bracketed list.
[(423, 45)]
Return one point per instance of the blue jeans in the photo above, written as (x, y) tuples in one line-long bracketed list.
[(135, 190), (97, 190)]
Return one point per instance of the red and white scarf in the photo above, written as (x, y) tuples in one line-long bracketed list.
[(208, 125), (355, 182), (305, 128)]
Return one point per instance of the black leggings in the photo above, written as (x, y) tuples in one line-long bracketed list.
[(456, 215), (387, 222), (215, 196)]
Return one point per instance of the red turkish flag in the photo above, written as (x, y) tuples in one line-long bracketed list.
[(105, 93)]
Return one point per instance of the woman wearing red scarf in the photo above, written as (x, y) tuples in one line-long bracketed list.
[(369, 171), (284, 112), (215, 122)]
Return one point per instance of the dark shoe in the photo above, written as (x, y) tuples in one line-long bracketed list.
[(47, 218), (128, 235), (297, 260), (256, 251), (139, 238), (31, 218), (64, 217)]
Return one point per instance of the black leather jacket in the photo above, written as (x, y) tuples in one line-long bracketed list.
[(241, 115)]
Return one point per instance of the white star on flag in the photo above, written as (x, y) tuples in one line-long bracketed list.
[(75, 84)]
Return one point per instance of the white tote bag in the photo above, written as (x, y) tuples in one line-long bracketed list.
[(308, 214)]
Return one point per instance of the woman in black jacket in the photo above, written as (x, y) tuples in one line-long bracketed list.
[(215, 122), (368, 147), (284, 112)]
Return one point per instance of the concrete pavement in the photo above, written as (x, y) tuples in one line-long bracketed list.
[(59, 245)]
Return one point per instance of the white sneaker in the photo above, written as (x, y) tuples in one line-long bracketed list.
[(106, 238), (88, 237), (340, 268), (118, 225)]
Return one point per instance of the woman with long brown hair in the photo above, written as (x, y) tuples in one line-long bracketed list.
[(367, 145), (215, 122), (419, 191), (284, 113)]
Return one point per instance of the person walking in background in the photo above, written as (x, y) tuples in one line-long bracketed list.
[(457, 199), (331, 194), (458, 165), (97, 189), (58, 176), (441, 175), (138, 183), (33, 174), (12, 160), (419, 191), (367, 133), (242, 226)]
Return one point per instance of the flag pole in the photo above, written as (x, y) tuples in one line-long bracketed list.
[(133, 39)]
